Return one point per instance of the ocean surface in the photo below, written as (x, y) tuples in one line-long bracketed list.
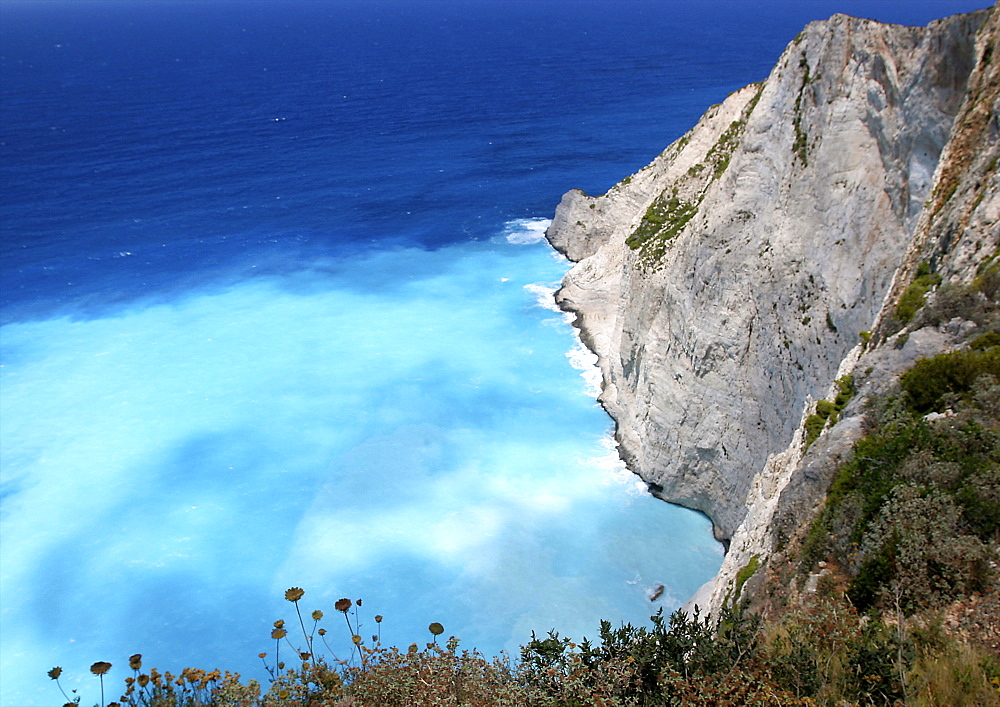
[(277, 311)]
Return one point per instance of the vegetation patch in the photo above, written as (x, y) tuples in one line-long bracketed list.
[(915, 295), (828, 412), (934, 384), (667, 216), (800, 146), (914, 515), (722, 151), (664, 219), (746, 572)]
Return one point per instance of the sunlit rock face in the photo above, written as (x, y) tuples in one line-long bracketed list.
[(723, 285)]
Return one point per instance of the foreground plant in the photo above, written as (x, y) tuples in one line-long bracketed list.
[(54, 674), (821, 654)]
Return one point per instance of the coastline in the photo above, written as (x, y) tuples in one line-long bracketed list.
[(725, 286)]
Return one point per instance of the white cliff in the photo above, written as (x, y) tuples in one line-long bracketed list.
[(725, 285)]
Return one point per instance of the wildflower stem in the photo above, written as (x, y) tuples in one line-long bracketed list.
[(268, 668), (309, 643), (330, 649), (62, 690)]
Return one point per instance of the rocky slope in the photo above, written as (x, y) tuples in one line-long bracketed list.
[(725, 287)]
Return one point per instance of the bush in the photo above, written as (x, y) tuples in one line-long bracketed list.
[(913, 298), (827, 412), (930, 380)]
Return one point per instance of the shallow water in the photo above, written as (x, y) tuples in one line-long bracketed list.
[(423, 444)]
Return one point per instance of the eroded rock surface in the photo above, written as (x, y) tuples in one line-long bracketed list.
[(725, 285)]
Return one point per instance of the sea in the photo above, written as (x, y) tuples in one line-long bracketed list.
[(276, 311)]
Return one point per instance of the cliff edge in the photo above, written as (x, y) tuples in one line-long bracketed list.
[(729, 284)]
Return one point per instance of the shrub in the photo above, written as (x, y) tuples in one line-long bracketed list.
[(913, 298), (930, 380), (827, 412)]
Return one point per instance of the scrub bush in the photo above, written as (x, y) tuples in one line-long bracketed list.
[(828, 412), (913, 298), (913, 517)]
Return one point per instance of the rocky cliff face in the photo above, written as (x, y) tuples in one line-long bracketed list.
[(725, 285)]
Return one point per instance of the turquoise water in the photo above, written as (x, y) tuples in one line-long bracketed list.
[(417, 430)]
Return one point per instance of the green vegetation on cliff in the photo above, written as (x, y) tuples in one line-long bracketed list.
[(915, 511), (667, 216)]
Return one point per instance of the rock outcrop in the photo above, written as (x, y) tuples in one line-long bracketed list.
[(724, 286)]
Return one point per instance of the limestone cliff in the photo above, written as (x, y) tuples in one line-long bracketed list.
[(725, 285)]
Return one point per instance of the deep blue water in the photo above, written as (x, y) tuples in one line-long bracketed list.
[(275, 312)]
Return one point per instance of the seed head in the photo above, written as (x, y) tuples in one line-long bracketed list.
[(100, 667), (436, 628), (378, 618), (317, 615), (343, 605), (279, 633), (135, 661), (294, 594), (280, 623), (55, 673)]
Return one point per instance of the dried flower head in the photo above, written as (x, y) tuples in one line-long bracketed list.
[(378, 618), (358, 602), (279, 633), (357, 639), (436, 628), (343, 605), (317, 615), (305, 656), (262, 655), (55, 673), (322, 632), (294, 594), (100, 667), (280, 623), (135, 661), (143, 680)]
